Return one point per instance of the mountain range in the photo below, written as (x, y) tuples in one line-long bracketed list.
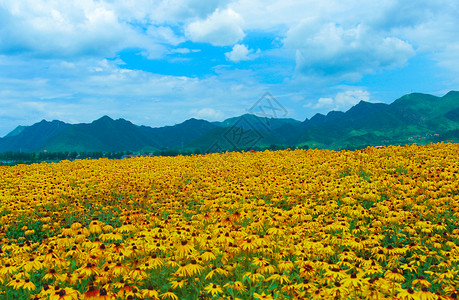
[(415, 117)]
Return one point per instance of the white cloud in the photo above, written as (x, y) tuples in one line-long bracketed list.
[(84, 90), (341, 37), (331, 50), (241, 52), (222, 28), (169, 11), (448, 57), (71, 29), (207, 113), (342, 100), (184, 50), (324, 102), (351, 38), (347, 99), (54, 52), (435, 33), (164, 34), (46, 29)]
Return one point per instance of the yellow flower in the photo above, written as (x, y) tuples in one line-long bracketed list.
[(32, 264), (16, 283), (74, 278), (29, 232), (211, 274), (184, 248), (260, 261), (64, 294), (407, 294), (354, 281), (334, 274), (421, 281), (137, 274), (177, 283), (267, 269), (281, 278), (119, 269), (155, 261), (107, 228), (236, 285), (341, 224), (169, 295), (248, 245), (28, 285), (76, 226), (285, 266), (208, 256), (306, 269), (181, 271), (95, 226), (110, 237), (253, 277), (88, 270), (54, 275), (7, 269), (338, 291), (425, 294), (410, 267), (104, 295), (150, 293), (239, 286), (193, 268), (213, 289), (394, 275), (305, 285), (262, 296)]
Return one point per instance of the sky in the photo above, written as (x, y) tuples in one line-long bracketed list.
[(161, 62)]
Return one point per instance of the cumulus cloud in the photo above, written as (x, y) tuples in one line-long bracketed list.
[(46, 29), (342, 100), (241, 52), (323, 102), (348, 39), (52, 29), (168, 11), (345, 100), (332, 37), (222, 28), (84, 90), (435, 33), (331, 50), (164, 34), (59, 56), (207, 113)]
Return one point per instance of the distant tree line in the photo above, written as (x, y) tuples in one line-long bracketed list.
[(16, 157)]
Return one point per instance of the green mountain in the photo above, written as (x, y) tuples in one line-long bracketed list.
[(243, 132), (16, 131), (252, 121), (177, 136), (31, 138), (411, 118), (416, 117), (104, 134)]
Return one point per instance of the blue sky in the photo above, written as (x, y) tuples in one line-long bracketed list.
[(160, 62)]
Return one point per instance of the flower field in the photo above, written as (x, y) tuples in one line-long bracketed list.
[(315, 224)]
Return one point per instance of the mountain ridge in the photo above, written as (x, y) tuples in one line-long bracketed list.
[(414, 117)]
